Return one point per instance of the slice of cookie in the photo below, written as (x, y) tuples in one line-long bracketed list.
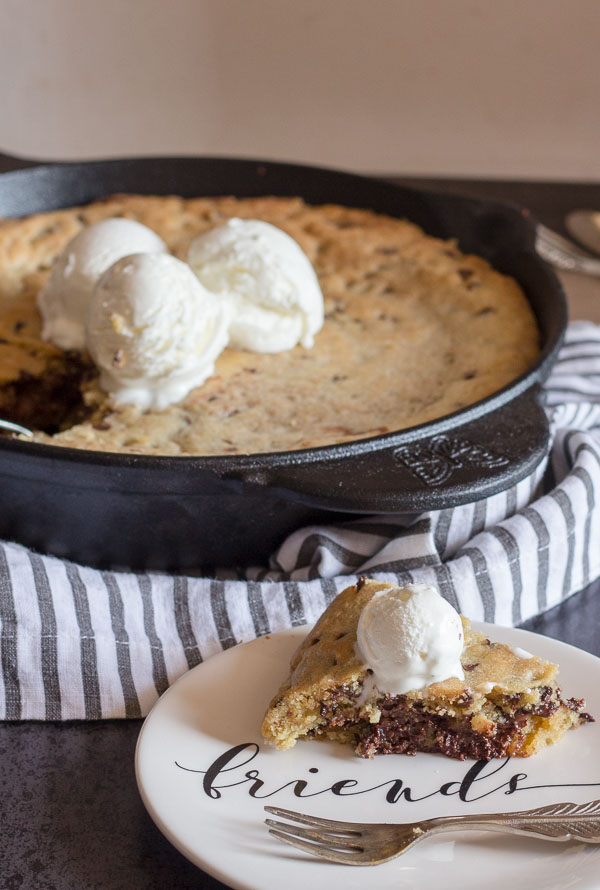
[(507, 703)]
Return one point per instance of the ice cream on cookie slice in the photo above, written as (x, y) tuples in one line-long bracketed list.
[(395, 670)]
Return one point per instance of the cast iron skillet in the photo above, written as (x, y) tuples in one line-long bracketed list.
[(177, 513)]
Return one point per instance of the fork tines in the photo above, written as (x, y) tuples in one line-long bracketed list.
[(330, 824), (327, 838)]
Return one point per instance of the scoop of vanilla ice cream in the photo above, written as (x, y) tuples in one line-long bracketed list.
[(410, 637), (153, 330), (266, 276), (63, 302)]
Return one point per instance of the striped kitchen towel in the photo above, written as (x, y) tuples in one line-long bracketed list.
[(77, 643)]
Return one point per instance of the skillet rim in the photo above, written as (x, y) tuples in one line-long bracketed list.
[(535, 374)]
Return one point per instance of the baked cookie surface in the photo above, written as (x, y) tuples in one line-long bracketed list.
[(508, 704), (414, 330)]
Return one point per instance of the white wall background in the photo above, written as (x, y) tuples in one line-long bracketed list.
[(457, 87)]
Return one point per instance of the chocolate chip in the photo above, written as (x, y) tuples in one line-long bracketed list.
[(575, 704), (543, 710)]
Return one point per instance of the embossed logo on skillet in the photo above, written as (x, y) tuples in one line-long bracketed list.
[(434, 461)]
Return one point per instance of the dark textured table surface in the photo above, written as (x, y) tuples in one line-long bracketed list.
[(70, 812)]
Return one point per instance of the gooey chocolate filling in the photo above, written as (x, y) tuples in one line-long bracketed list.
[(403, 729), (51, 402), (407, 727)]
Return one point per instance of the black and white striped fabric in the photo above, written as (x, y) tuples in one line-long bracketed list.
[(76, 643)]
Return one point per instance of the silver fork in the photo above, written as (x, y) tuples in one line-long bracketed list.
[(562, 253), (354, 843)]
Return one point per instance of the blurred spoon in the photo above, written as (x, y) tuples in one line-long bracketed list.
[(584, 225), (14, 428)]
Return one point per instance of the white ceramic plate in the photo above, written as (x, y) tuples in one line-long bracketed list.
[(208, 798)]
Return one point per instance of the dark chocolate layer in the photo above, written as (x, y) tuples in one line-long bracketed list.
[(407, 726), (406, 730), (51, 402)]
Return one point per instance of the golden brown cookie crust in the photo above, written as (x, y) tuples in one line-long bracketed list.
[(414, 330)]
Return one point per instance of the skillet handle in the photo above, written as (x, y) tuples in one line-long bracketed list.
[(10, 162), (454, 465)]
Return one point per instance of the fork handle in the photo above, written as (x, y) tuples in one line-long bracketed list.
[(562, 259), (558, 822), (584, 265)]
